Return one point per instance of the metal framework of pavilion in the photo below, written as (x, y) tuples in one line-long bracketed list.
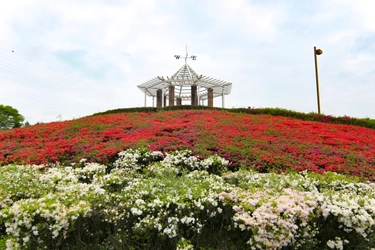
[(185, 85)]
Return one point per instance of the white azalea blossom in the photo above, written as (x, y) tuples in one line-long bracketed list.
[(176, 196)]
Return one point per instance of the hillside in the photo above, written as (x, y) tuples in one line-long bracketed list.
[(263, 142), (224, 180)]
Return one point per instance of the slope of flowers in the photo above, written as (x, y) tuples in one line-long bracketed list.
[(148, 200), (261, 141)]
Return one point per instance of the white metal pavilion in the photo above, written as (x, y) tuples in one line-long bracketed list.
[(185, 85)]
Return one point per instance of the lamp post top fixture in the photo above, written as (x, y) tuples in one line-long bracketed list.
[(186, 57), (318, 51)]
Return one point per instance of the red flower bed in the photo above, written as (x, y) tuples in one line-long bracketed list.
[(260, 141)]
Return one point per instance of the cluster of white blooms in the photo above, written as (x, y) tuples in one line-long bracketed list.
[(215, 164), (352, 211), (166, 197), (18, 182), (27, 218), (169, 204), (176, 196), (136, 159), (184, 244), (185, 160), (47, 210), (284, 213), (278, 201), (90, 170), (336, 244)]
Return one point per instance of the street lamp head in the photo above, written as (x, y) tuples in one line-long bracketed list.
[(319, 51)]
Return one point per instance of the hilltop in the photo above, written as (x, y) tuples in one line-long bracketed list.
[(263, 139)]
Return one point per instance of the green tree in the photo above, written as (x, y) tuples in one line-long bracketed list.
[(10, 118)]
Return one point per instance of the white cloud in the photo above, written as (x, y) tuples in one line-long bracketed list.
[(256, 21), (360, 12)]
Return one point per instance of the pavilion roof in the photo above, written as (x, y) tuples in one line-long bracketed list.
[(183, 79)]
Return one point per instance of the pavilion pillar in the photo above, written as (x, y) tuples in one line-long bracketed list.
[(194, 97), (171, 95), (179, 101), (222, 98), (159, 98), (210, 97)]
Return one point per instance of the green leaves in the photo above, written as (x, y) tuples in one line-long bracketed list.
[(10, 118)]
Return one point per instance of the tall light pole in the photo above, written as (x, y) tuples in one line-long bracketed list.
[(316, 53)]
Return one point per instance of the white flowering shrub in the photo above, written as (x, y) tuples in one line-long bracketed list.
[(137, 159), (44, 214), (167, 206), (276, 219), (184, 160), (148, 200), (302, 210)]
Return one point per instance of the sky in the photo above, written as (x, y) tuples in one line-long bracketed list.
[(62, 60)]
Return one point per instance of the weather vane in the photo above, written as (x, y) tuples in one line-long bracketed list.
[(186, 57)]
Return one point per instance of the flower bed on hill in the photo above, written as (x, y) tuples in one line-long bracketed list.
[(265, 143), (151, 200)]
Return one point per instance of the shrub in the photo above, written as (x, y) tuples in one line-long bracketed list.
[(150, 200)]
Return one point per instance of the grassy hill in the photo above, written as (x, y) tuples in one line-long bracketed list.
[(265, 140)]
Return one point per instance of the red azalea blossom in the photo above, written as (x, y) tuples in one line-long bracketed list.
[(260, 141)]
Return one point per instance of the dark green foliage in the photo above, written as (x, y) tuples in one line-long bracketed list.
[(10, 118)]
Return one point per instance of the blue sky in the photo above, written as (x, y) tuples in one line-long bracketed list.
[(75, 58)]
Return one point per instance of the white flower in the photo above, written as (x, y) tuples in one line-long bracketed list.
[(83, 160), (136, 211)]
